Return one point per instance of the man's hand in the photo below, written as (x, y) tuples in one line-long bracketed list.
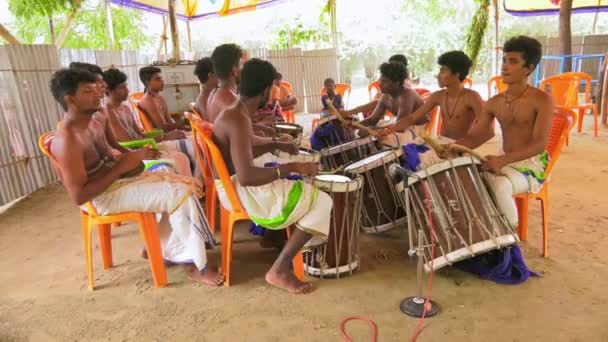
[(445, 152), (174, 135), (385, 131), (132, 160), (306, 169), (288, 147), (362, 133), (283, 137), (494, 164)]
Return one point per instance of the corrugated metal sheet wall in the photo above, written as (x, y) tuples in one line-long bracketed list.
[(27, 108)]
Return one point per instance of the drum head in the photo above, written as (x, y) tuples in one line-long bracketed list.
[(374, 161), (338, 183)]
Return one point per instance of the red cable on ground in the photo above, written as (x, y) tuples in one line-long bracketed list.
[(374, 327), (429, 289)]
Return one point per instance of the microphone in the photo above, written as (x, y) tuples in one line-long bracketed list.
[(398, 173)]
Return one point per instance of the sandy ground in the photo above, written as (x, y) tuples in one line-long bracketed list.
[(43, 293)]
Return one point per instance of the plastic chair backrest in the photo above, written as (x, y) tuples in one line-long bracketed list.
[(198, 125), (373, 89), (194, 109), (564, 90), (581, 76), (496, 83), (44, 143), (562, 121), (467, 83), (422, 91), (288, 86), (210, 149), (342, 89)]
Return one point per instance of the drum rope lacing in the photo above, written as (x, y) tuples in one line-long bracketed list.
[(428, 292)]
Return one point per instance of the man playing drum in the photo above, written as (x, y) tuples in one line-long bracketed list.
[(270, 201), (460, 107), (524, 114)]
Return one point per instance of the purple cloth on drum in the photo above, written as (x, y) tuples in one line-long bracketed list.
[(327, 135), (259, 230), (411, 156), (504, 266)]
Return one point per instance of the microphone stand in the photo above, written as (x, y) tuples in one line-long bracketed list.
[(414, 306)]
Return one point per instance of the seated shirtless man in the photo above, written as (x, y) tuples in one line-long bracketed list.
[(101, 116), (122, 122), (524, 114), (397, 97), (227, 63), (204, 73), (368, 108), (155, 108), (90, 172), (460, 107), (270, 200)]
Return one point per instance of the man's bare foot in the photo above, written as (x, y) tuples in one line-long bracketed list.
[(144, 254), (605, 125), (288, 282), (211, 276)]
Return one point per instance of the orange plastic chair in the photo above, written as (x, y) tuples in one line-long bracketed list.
[(143, 117), (496, 85), (373, 89), (290, 115), (435, 117), (467, 83), (563, 120), (204, 164), (582, 108), (238, 213), (194, 109), (564, 91), (148, 230), (342, 89)]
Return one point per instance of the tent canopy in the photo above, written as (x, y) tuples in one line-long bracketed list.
[(549, 7), (197, 9)]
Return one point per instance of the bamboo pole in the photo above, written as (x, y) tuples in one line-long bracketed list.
[(4, 33), (68, 25), (496, 60), (189, 36), (174, 33), (52, 29), (109, 25)]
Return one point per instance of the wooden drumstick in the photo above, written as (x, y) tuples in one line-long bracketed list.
[(453, 147), (334, 111)]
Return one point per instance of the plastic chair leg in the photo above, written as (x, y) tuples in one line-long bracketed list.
[(149, 230), (88, 252), (522, 215), (595, 118), (227, 235), (105, 244), (581, 116), (210, 207), (544, 205)]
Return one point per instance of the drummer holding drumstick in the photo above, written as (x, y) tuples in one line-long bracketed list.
[(270, 200), (524, 114)]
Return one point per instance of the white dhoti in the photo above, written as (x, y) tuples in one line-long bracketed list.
[(183, 228), (184, 146), (283, 202), (520, 177)]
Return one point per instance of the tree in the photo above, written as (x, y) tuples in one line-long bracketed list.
[(45, 9), (89, 27), (477, 31)]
